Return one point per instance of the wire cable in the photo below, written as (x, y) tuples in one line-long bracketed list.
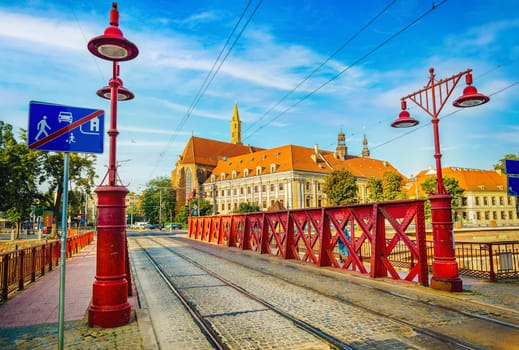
[(316, 69), (362, 58)]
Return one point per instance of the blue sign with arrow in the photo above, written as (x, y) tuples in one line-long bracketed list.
[(59, 128)]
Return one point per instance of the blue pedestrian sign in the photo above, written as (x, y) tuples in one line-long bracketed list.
[(61, 128), (513, 186)]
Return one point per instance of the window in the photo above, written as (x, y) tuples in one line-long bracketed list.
[(234, 173), (463, 201), (256, 189), (308, 185), (234, 192), (248, 190), (493, 199), (241, 190), (485, 201), (264, 188), (503, 215), (308, 202), (477, 200), (501, 201), (272, 187), (487, 215), (478, 215), (494, 215), (281, 187), (246, 172), (318, 187)]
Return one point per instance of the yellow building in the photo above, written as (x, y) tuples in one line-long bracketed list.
[(288, 177), (485, 201)]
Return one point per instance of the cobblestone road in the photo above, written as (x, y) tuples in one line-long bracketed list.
[(342, 305)]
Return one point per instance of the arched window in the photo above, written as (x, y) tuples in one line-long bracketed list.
[(189, 182)]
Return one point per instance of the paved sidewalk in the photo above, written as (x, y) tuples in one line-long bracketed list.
[(30, 318)]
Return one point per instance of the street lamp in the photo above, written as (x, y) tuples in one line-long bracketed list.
[(432, 99), (110, 307)]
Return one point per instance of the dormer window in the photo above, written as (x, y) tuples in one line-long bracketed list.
[(246, 172), (273, 167), (258, 170), (234, 174), (222, 176)]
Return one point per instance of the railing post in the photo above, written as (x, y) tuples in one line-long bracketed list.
[(264, 235), (378, 249), (33, 264), (5, 282), (289, 239), (492, 274), (324, 240), (20, 272)]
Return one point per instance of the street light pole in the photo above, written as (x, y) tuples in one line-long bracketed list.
[(110, 307), (432, 99)]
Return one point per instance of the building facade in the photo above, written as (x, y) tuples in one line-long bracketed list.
[(484, 202)]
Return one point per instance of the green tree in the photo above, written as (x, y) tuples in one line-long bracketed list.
[(375, 189), (81, 175), (204, 206), (452, 187), (20, 170), (247, 208), (158, 199), (501, 164), (392, 186), (340, 187)]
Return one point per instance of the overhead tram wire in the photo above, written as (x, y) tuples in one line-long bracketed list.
[(349, 40), (362, 58), (212, 73)]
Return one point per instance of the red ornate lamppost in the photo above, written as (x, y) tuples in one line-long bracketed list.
[(110, 307), (432, 99)]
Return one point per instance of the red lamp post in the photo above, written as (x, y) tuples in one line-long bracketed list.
[(110, 307), (432, 99)]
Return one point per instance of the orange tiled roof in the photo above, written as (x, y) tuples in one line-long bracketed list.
[(298, 158), (207, 152), (473, 180)]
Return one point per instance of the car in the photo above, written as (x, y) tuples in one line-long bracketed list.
[(175, 226), (65, 117)]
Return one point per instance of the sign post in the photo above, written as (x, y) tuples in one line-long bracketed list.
[(65, 129)]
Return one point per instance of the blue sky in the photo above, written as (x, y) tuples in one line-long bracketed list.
[(387, 49)]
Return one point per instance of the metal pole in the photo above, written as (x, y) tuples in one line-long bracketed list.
[(63, 257), (160, 208)]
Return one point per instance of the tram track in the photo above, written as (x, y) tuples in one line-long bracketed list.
[(206, 327), (454, 341)]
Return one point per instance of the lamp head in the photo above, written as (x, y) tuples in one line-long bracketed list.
[(112, 45), (470, 98), (123, 94), (404, 120)]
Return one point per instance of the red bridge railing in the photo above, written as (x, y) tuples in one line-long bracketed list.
[(23, 266), (379, 235)]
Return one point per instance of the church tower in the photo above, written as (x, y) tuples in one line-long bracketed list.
[(341, 152), (235, 126), (365, 150)]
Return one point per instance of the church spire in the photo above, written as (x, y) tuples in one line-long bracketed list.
[(341, 152), (236, 126), (365, 150)]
